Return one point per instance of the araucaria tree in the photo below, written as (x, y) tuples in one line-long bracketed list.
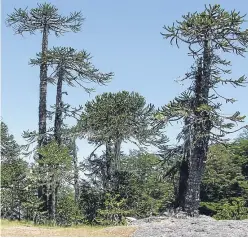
[(72, 68), (206, 34), (112, 119), (46, 19)]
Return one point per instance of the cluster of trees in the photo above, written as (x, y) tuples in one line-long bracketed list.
[(203, 172)]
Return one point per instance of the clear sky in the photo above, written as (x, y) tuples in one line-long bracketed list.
[(123, 37)]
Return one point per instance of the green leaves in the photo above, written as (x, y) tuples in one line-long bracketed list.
[(55, 156)]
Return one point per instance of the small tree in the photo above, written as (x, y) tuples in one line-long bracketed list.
[(56, 164)]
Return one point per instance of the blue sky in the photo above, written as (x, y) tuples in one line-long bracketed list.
[(123, 37)]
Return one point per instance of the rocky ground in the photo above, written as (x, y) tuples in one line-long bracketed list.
[(201, 226), (163, 226)]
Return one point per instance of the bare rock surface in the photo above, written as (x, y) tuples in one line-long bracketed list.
[(201, 226)]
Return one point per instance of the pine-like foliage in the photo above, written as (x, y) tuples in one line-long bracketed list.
[(9, 148), (112, 119), (206, 34), (44, 18)]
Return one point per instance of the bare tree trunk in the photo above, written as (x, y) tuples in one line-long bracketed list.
[(117, 155), (43, 89), (42, 107), (76, 171), (53, 200), (184, 167), (58, 114), (200, 136), (109, 165), (183, 184), (196, 168)]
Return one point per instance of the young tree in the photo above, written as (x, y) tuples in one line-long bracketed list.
[(56, 163), (9, 148), (13, 174), (206, 34)]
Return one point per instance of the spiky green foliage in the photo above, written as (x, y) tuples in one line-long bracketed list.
[(112, 119), (205, 34), (140, 191), (24, 20), (76, 66), (121, 115), (16, 184)]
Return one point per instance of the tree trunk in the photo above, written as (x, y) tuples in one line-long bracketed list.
[(200, 134), (58, 114), (58, 137), (53, 201), (117, 155), (43, 89), (109, 165), (42, 107), (196, 168), (76, 172), (183, 184)]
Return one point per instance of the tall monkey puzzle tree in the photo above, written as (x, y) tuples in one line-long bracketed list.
[(46, 19), (206, 34), (73, 68)]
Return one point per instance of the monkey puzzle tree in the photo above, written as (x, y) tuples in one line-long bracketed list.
[(46, 19), (206, 34), (114, 118), (73, 68)]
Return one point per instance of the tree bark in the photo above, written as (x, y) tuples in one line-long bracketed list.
[(200, 136), (183, 184), (42, 108), (43, 89), (184, 167), (53, 200), (109, 165), (76, 172), (58, 114), (117, 155)]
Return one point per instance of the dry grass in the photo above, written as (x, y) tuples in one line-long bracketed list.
[(28, 230)]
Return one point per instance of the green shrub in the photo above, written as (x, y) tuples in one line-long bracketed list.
[(68, 212), (114, 211), (226, 209)]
